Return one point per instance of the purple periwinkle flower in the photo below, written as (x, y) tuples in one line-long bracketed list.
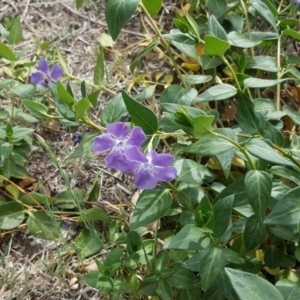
[(46, 75), (150, 168), (118, 139), (297, 2)]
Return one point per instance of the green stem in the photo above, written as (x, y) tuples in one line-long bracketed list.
[(278, 74), (286, 154), (164, 44), (232, 72)]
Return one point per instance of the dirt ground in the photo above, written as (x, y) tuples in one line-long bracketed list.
[(32, 269)]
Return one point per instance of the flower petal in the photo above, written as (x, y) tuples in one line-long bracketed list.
[(103, 143), (162, 160), (37, 78), (137, 137), (135, 154), (164, 174), (116, 160), (56, 72), (119, 130), (43, 66), (143, 179)]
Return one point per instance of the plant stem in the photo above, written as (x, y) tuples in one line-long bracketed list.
[(164, 44), (278, 74), (232, 72)]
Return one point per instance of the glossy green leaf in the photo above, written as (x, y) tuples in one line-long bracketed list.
[(286, 172), (254, 233), (215, 29), (190, 237), (272, 257), (287, 211), (16, 32), (6, 52), (179, 95), (291, 33), (164, 289), (141, 115), (215, 46), (225, 160), (11, 215), (208, 62), (204, 215), (288, 289), (294, 115), (43, 226), (212, 262), (88, 242), (249, 120), (255, 287), (191, 192), (217, 7), (189, 294), (239, 39), (216, 93), (265, 63), (209, 145), (82, 108), (118, 13), (153, 6), (151, 206), (64, 95), (189, 171), (196, 79), (182, 279), (258, 186), (273, 134), (262, 150), (222, 215), (262, 9), (258, 83), (202, 124), (113, 110)]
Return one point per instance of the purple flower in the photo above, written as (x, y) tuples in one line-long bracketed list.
[(46, 75), (151, 168), (297, 2), (118, 139)]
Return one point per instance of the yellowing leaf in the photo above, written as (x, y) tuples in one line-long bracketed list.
[(273, 272), (238, 162), (200, 50), (106, 41), (169, 80), (158, 75), (192, 67), (228, 72), (213, 163)]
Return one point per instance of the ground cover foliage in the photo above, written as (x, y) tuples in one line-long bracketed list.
[(223, 143)]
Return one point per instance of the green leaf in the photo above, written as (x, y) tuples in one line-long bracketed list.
[(15, 33), (82, 109), (93, 214), (255, 287), (204, 215), (288, 289), (196, 79), (24, 91), (79, 3), (64, 95), (93, 97), (113, 110), (99, 69), (249, 120), (191, 192), (215, 29), (141, 115), (39, 110), (294, 115), (222, 215), (215, 46), (258, 83), (212, 262), (286, 172), (217, 7), (6, 53), (202, 125), (225, 160), (238, 39), (11, 215), (182, 279), (265, 63), (88, 242), (262, 150), (254, 233), (272, 257), (6, 150), (164, 289), (291, 33), (43, 226), (190, 237), (273, 134), (189, 171), (118, 13), (177, 94), (258, 186), (153, 6), (262, 9), (286, 212), (209, 145), (151, 206), (216, 93), (208, 62)]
